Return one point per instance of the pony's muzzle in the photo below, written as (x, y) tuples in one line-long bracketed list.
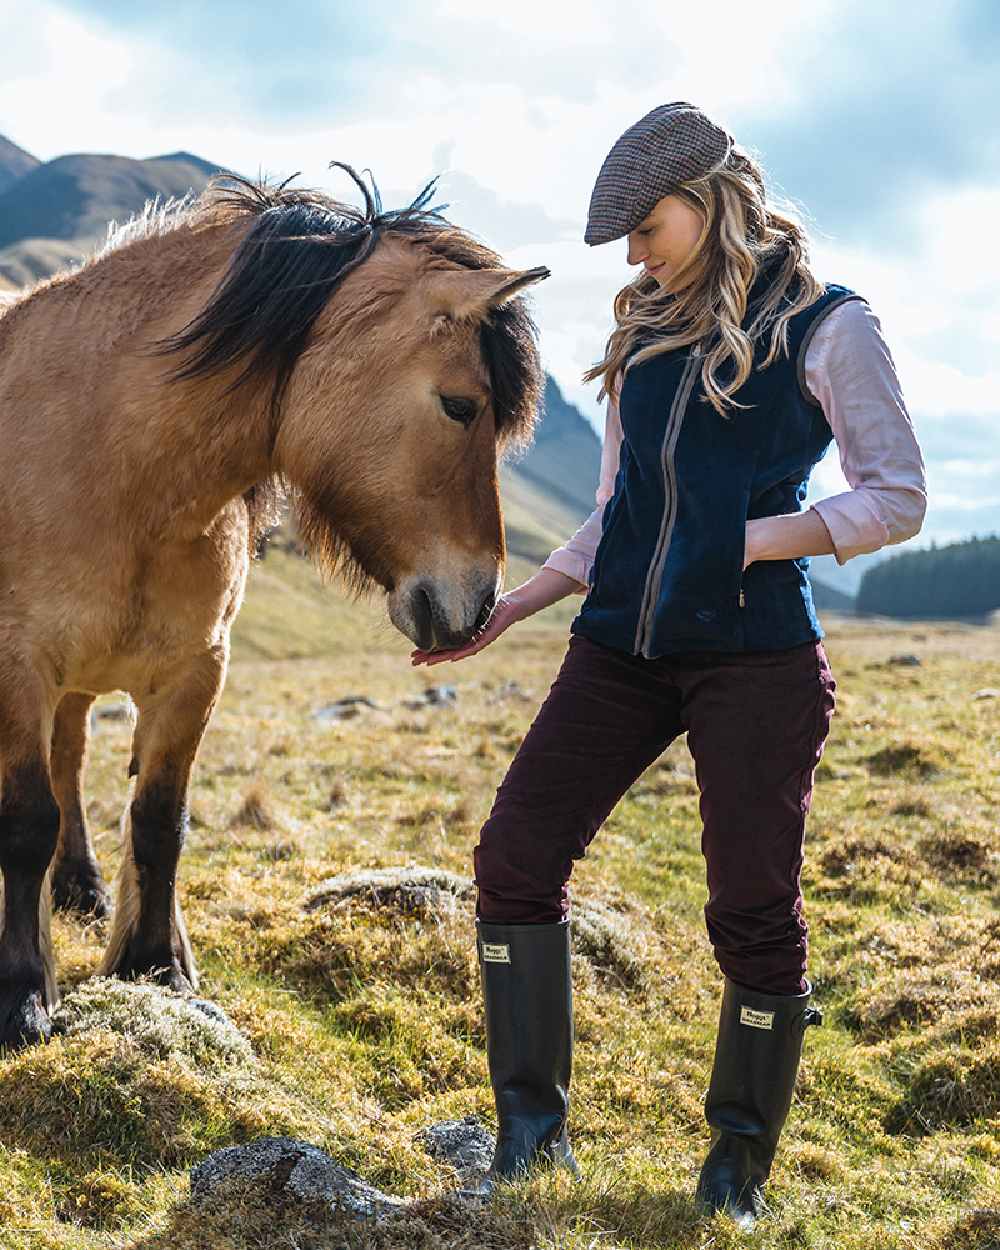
[(441, 617)]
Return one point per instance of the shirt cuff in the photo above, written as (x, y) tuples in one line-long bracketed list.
[(571, 565), (855, 527)]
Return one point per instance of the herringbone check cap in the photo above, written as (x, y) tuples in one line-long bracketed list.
[(670, 145)]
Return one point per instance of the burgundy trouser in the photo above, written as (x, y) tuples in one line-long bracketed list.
[(756, 725)]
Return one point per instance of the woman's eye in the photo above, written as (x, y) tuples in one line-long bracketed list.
[(463, 410)]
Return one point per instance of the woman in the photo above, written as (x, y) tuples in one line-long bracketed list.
[(729, 371)]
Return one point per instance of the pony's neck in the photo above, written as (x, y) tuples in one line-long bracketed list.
[(194, 445)]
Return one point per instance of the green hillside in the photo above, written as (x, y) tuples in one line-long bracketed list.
[(953, 581), (565, 459)]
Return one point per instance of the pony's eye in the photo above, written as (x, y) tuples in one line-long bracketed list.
[(463, 410)]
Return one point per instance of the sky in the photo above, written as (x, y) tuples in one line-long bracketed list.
[(878, 122)]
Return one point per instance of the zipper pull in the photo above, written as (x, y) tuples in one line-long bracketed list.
[(743, 601)]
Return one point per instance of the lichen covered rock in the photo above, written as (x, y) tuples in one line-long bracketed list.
[(464, 1144), (159, 1022), (286, 1169), (410, 889)]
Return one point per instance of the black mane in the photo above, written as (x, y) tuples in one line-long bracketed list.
[(300, 247)]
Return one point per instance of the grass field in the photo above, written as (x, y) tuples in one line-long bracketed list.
[(366, 1025)]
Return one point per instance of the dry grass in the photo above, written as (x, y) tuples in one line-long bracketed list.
[(363, 1015)]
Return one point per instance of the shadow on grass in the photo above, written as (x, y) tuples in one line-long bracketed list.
[(235, 1216)]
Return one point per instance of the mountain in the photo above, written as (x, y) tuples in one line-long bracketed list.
[(24, 263), (566, 455), (827, 599), (14, 163), (56, 212), (549, 490), (846, 578), (74, 197)]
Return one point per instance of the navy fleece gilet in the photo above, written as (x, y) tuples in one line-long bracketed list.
[(668, 575)]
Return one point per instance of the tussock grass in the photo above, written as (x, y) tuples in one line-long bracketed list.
[(362, 1014), (956, 1087), (256, 811)]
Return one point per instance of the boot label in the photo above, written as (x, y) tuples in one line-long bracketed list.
[(757, 1019), (496, 952)]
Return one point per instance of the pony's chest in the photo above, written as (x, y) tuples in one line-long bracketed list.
[(174, 605)]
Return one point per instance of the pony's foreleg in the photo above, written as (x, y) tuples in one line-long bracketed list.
[(149, 935), (29, 829), (77, 884)]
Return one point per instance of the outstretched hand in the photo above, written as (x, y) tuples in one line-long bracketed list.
[(504, 614)]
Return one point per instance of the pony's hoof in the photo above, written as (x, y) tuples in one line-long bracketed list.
[(23, 1018), (77, 886)]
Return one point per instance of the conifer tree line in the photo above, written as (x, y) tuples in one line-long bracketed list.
[(959, 579)]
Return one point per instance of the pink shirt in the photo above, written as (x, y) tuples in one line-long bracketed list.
[(849, 371)]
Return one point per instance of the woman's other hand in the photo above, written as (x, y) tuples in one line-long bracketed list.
[(787, 537), (546, 587)]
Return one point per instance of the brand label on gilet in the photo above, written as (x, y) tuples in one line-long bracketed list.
[(757, 1019), (496, 952)]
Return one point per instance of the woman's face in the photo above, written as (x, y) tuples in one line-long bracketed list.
[(663, 241)]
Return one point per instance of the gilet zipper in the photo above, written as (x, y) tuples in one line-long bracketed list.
[(654, 577)]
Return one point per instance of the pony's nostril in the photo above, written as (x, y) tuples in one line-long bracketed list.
[(423, 618), (486, 610)]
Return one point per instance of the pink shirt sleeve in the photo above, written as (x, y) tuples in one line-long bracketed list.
[(576, 557), (849, 370)]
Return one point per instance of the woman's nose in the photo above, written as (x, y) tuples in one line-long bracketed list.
[(636, 252)]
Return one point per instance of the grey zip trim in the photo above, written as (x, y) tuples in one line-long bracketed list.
[(651, 590)]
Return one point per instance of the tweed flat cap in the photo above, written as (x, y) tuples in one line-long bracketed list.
[(670, 145)]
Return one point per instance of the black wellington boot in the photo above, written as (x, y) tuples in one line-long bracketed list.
[(756, 1062), (525, 970)]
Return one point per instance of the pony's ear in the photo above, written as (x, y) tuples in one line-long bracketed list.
[(470, 294)]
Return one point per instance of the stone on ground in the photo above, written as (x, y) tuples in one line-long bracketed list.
[(285, 1168), (411, 889), (159, 1022), (465, 1144)]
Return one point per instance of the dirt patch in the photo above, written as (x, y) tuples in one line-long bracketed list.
[(949, 1091), (903, 758), (915, 1002), (975, 1230), (911, 807), (864, 868), (961, 854), (255, 812), (854, 853)]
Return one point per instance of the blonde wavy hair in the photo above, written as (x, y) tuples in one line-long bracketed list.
[(706, 301)]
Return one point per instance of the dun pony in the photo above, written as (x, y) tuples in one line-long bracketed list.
[(152, 406)]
